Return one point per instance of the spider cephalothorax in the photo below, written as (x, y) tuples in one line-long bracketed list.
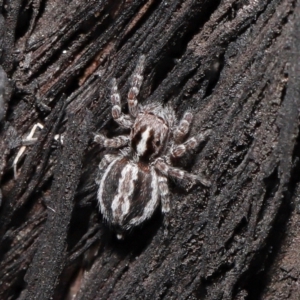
[(150, 131), (134, 181)]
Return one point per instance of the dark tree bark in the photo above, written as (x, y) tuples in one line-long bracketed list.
[(235, 64)]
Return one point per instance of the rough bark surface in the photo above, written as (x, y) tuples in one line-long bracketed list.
[(235, 64)]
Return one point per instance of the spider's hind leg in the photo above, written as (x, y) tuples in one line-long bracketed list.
[(165, 200), (186, 179)]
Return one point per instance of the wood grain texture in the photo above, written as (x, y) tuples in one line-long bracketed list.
[(235, 65)]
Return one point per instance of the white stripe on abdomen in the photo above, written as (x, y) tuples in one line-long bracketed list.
[(121, 203)]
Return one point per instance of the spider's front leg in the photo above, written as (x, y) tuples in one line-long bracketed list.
[(116, 111), (185, 178), (137, 80), (116, 142)]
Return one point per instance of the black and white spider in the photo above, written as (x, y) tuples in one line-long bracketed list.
[(134, 181)]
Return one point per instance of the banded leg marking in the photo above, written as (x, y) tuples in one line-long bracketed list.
[(183, 128), (115, 142), (165, 200), (190, 145), (184, 177), (116, 111), (136, 83)]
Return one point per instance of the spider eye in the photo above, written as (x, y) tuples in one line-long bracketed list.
[(157, 143)]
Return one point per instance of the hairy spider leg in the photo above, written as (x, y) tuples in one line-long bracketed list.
[(191, 144), (182, 130), (165, 199), (188, 180), (136, 82), (115, 142), (116, 111)]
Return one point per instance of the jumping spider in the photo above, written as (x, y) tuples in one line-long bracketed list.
[(134, 181)]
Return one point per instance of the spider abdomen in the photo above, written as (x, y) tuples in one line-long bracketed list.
[(128, 193)]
